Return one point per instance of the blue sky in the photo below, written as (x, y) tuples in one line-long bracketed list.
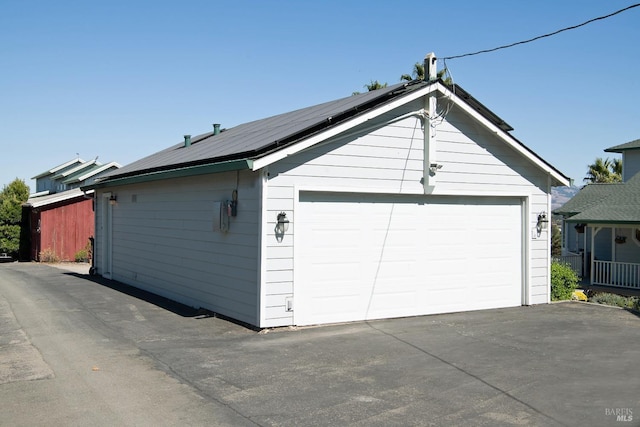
[(124, 79)]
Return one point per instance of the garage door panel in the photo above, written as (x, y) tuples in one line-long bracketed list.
[(404, 256)]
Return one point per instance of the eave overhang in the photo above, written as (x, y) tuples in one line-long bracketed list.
[(602, 222), (226, 166)]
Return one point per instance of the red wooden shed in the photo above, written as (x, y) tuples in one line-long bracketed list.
[(60, 224)]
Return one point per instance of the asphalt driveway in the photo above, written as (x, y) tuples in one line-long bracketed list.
[(64, 336)]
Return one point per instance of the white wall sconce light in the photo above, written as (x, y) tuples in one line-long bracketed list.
[(543, 221), (113, 200)]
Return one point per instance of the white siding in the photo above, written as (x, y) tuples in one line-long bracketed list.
[(630, 164), (164, 242), (389, 160)]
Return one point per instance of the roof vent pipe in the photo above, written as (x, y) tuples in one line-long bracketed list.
[(216, 128), (187, 140), (430, 67)]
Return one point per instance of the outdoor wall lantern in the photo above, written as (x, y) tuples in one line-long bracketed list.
[(113, 200), (543, 222), (283, 223)]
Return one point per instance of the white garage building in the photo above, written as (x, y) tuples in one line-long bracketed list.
[(343, 211)]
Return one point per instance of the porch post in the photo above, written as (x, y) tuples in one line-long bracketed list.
[(593, 252), (585, 261), (613, 244)]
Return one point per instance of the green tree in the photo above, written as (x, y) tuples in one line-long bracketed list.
[(11, 199), (616, 167), (604, 171), (418, 74), (556, 240), (375, 85)]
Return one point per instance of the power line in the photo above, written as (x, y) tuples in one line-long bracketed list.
[(544, 35)]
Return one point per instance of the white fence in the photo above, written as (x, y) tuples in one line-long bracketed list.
[(574, 260), (621, 274)]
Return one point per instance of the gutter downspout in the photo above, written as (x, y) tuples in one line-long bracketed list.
[(92, 239)]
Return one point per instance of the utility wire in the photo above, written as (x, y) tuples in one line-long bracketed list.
[(544, 35)]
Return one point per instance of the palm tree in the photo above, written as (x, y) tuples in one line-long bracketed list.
[(616, 167), (604, 170), (418, 74), (375, 85)]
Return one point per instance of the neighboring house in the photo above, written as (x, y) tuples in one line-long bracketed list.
[(342, 211), (69, 175), (45, 184), (59, 216), (602, 225)]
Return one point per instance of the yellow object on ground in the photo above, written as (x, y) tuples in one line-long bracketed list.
[(578, 295)]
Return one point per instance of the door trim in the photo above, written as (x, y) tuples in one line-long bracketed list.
[(106, 228)]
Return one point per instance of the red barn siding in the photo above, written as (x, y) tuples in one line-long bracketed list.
[(65, 228)]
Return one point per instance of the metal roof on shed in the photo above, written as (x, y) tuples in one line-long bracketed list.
[(38, 202)]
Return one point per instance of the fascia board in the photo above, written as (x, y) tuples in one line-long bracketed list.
[(603, 222), (174, 173), (343, 127), (506, 137)]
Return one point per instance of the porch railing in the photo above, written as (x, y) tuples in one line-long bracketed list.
[(621, 274), (574, 260)]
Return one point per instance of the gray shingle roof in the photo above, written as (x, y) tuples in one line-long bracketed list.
[(621, 205), (588, 196), (622, 147)]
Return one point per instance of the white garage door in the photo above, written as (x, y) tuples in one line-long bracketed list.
[(364, 257)]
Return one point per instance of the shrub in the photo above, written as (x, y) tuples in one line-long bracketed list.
[(563, 281), (82, 256), (49, 256), (9, 239), (615, 300)]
